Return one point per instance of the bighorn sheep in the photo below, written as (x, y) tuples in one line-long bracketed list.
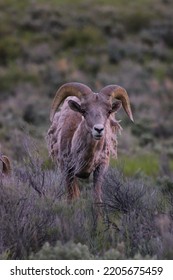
[(83, 133), (5, 165)]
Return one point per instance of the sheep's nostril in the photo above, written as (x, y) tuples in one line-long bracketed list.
[(98, 128)]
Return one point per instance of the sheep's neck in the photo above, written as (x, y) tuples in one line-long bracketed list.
[(85, 149)]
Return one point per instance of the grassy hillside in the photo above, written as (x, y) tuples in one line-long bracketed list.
[(44, 44)]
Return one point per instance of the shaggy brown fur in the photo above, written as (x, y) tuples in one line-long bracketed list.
[(83, 134), (5, 166)]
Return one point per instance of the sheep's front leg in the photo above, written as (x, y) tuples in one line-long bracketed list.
[(72, 188), (98, 178)]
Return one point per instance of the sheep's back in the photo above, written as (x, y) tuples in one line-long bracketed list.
[(61, 131)]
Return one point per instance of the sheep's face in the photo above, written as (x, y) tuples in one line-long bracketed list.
[(96, 111)]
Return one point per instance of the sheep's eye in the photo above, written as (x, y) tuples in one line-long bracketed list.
[(83, 111)]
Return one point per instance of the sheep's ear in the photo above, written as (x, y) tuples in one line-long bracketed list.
[(74, 106), (116, 105)]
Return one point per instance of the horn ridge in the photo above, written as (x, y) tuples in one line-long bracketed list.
[(69, 89), (118, 92)]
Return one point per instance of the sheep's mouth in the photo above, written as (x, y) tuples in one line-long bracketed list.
[(98, 137)]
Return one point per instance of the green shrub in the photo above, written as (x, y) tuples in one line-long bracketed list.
[(147, 164), (67, 251), (166, 184), (146, 139), (10, 49), (142, 126), (137, 20), (73, 251), (11, 78), (88, 36)]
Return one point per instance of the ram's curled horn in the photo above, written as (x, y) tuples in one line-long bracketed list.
[(115, 91), (70, 89), (6, 166)]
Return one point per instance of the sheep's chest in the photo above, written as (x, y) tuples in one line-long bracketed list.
[(87, 163)]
